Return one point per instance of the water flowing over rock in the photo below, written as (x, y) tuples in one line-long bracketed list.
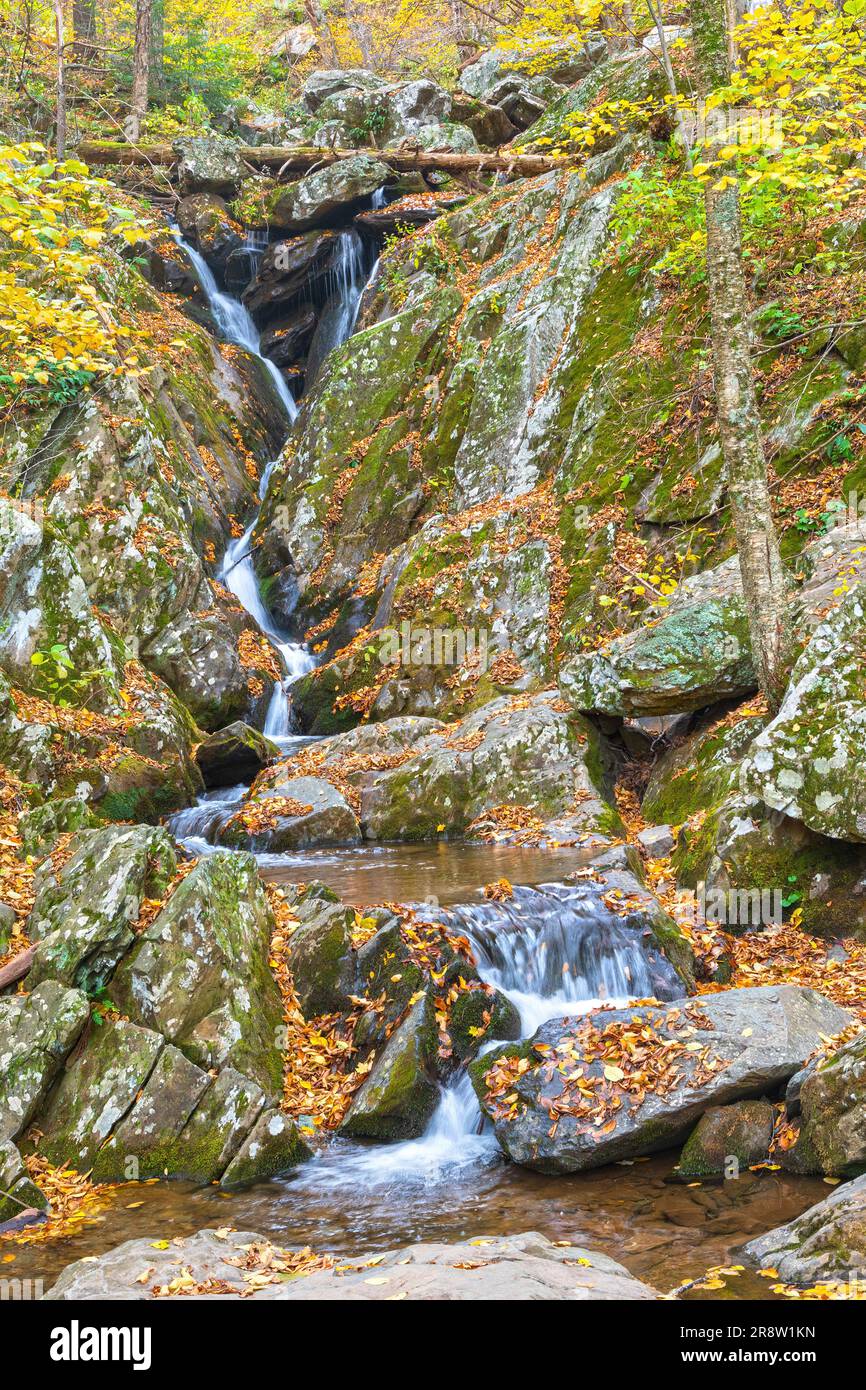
[(511, 1267), (747, 1042)]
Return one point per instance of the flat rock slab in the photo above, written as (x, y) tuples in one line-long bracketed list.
[(827, 1242), (525, 1267), (735, 1045)]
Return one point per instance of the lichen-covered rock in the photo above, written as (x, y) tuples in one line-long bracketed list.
[(233, 755), (727, 1139), (694, 655), (832, 1105), (220, 1123), (273, 1146), (210, 164), (96, 1091), (17, 1191), (702, 766), (199, 972), (321, 958), (509, 1268), (747, 1043), (327, 82), (385, 970), (37, 1032), (291, 813), (807, 763), (827, 1242), (40, 827), (400, 1094), (148, 1142), (83, 917), (526, 753), (315, 200)]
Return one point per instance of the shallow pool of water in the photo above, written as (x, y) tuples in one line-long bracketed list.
[(662, 1232)]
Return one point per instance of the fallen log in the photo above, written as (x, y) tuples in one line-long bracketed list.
[(301, 159), (17, 968)]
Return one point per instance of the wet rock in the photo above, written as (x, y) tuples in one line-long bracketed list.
[(17, 1192), (400, 1094), (831, 1099), (37, 1032), (288, 270), (657, 840), (827, 1242), (96, 1091), (220, 1123), (205, 222), (273, 1146), (740, 1132), (234, 754), (754, 1040), (166, 266), (519, 1267), (285, 340), (210, 164), (477, 1017), (83, 918), (384, 968), (292, 813), (199, 972), (321, 959), (317, 199)]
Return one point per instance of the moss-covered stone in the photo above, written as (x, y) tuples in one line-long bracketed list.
[(726, 1140), (400, 1094)]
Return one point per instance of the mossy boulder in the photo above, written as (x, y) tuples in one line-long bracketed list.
[(322, 961), (210, 164), (199, 972), (17, 1191), (478, 1016), (827, 1242), (148, 1141), (291, 813), (40, 827), (84, 916), (832, 1102), (400, 1094), (335, 191), (273, 1146), (726, 1140), (37, 1032), (234, 754), (207, 225), (702, 766)]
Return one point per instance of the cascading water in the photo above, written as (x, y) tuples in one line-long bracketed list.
[(554, 950)]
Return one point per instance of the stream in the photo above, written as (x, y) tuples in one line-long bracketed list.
[(552, 949)]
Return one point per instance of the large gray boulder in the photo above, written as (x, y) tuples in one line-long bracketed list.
[(316, 200), (521, 1267), (234, 754), (831, 1098), (328, 82), (560, 61), (827, 1242), (83, 917), (37, 1032), (207, 225), (199, 974), (292, 813), (210, 164), (720, 1048)]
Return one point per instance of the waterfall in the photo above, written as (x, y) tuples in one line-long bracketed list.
[(554, 950), (235, 323), (236, 572)]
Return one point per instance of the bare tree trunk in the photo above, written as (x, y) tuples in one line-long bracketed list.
[(84, 28), (656, 16), (140, 68), (319, 22), (60, 35), (765, 586), (157, 47)]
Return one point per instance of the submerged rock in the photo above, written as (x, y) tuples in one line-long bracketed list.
[(730, 1046), (827, 1242), (509, 1267)]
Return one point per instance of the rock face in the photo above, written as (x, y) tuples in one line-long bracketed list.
[(731, 1046), (287, 272), (490, 1268), (526, 753), (828, 1242), (83, 919), (199, 973), (832, 1101), (37, 1031), (315, 200), (740, 1133), (400, 1094), (806, 763)]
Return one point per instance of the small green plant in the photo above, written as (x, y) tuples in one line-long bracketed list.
[(57, 679)]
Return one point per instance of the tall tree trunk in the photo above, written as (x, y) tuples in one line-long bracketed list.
[(60, 35), (319, 22), (140, 68), (84, 28), (765, 586), (157, 47)]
